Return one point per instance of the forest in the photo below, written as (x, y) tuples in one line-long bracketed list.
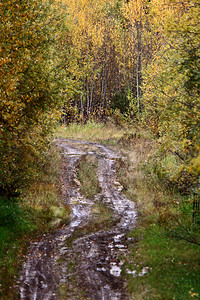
[(129, 66)]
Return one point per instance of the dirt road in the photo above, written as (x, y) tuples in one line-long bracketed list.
[(67, 265)]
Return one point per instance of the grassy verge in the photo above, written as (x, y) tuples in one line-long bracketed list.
[(165, 242), (172, 266), (37, 211)]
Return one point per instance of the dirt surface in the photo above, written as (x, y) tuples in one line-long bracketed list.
[(69, 264)]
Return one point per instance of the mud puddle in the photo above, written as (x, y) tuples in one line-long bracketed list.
[(58, 269)]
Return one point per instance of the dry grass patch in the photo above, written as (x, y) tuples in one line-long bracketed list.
[(87, 175), (173, 264), (45, 196), (91, 131), (137, 185)]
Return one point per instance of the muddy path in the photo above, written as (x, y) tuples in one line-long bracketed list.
[(64, 263)]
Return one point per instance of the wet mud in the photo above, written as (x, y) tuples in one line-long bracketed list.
[(91, 262)]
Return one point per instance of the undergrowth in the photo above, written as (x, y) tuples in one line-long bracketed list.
[(91, 131), (172, 265), (38, 210), (167, 239)]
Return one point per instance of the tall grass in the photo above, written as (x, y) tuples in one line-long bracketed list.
[(91, 131), (165, 241)]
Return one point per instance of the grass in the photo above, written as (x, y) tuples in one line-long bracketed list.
[(91, 131), (87, 175), (14, 224), (38, 210), (173, 266), (44, 195), (160, 241)]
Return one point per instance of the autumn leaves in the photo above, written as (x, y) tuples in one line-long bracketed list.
[(90, 56), (29, 88)]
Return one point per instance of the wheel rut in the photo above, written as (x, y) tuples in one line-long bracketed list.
[(96, 256)]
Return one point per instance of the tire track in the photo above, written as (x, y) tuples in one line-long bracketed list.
[(99, 266)]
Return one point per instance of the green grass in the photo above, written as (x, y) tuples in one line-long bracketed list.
[(160, 241), (173, 266), (39, 209), (19, 224), (14, 225)]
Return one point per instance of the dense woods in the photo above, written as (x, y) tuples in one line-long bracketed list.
[(134, 60)]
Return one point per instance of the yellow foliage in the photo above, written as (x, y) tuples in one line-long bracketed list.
[(27, 89)]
